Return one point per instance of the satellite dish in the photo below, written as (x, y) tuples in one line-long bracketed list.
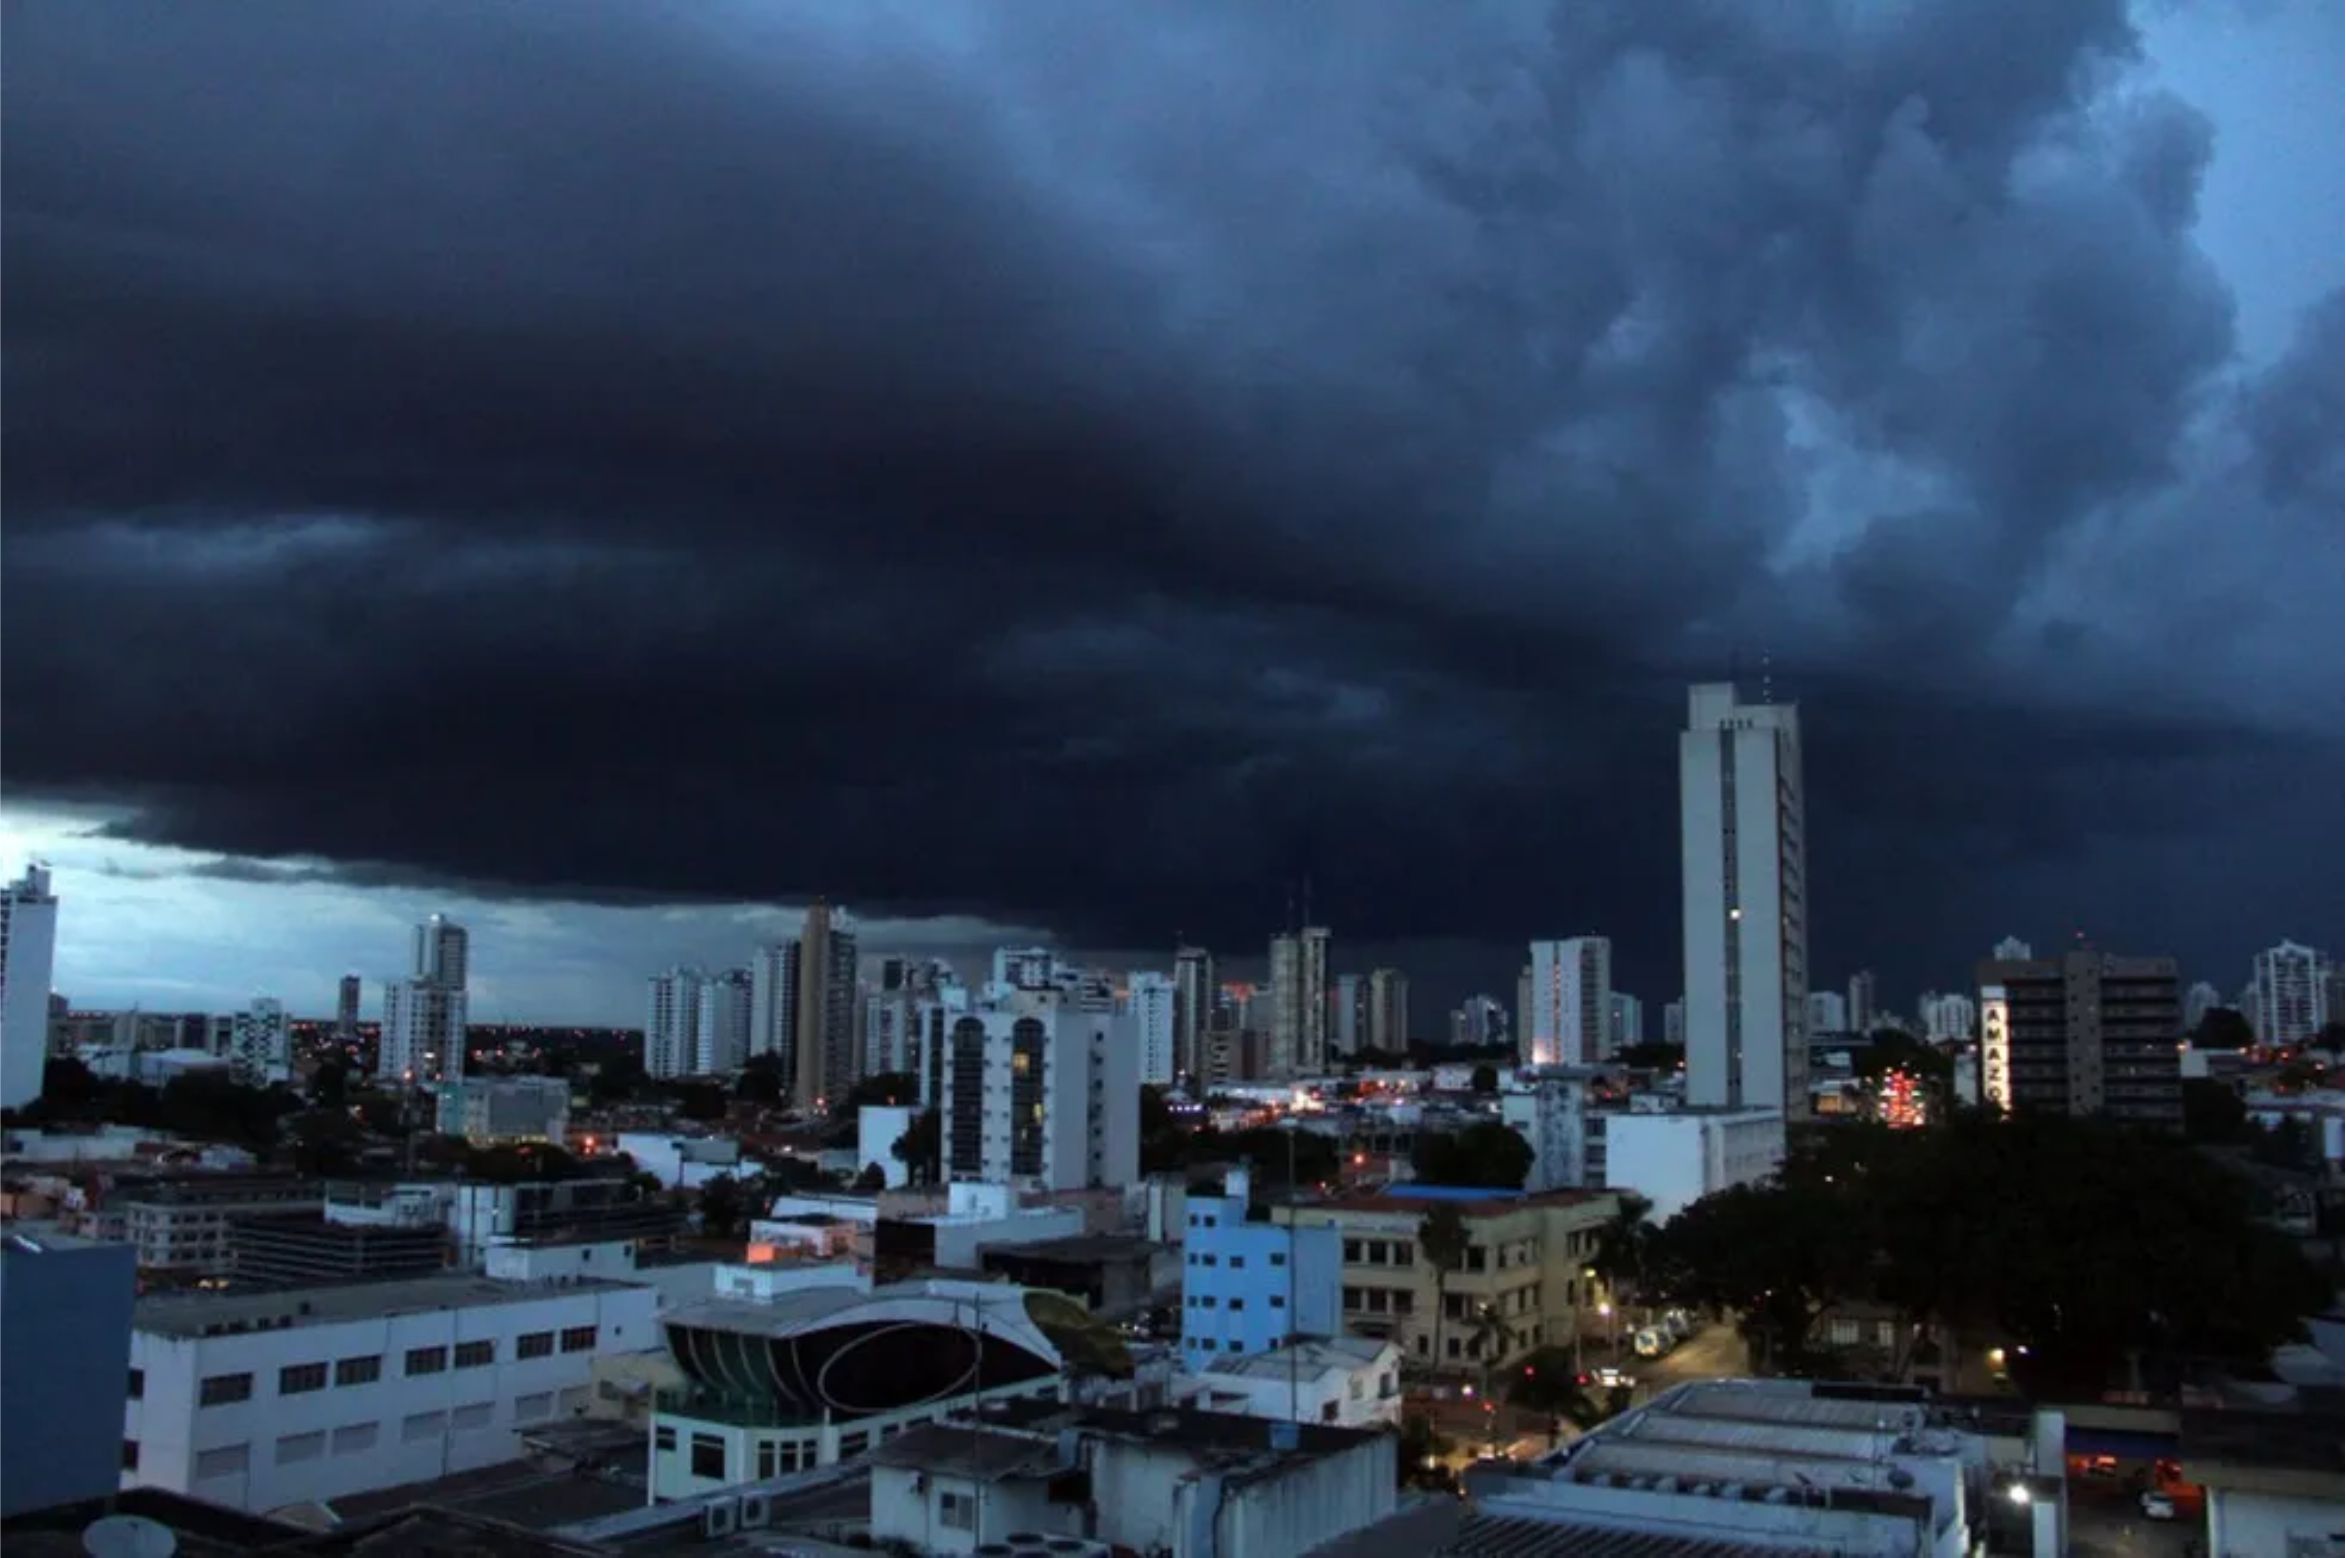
[(129, 1536)]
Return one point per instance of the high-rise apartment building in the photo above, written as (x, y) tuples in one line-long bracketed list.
[(1828, 1012), (1388, 1011), (1571, 1003), (1523, 1004), (773, 1005), (2198, 1001), (672, 1021), (1949, 1018), (1674, 1024), (1627, 1027), (2013, 950), (1149, 997), (721, 1023), (346, 1003), (2085, 1033), (424, 1013), (260, 1043), (1299, 1003), (1025, 968), (1193, 1008), (1347, 1015), (1038, 1093), (1745, 899), (28, 953), (1864, 1011), (824, 1031), (2292, 994), (1479, 1021)]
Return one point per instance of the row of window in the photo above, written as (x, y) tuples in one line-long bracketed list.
[(1378, 1301), (1379, 1252), (1237, 1262), (357, 1438), (300, 1378), (1207, 1301), (1206, 1344)]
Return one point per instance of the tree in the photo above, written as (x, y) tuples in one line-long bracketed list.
[(919, 1148), (1621, 1245), (1485, 1155), (2212, 1112), (1442, 1239), (1653, 1056), (2331, 1037), (2223, 1027), (1777, 1255), (618, 1078), (722, 1206), (880, 1088), (1489, 1343), (702, 1101), (1485, 1079), (325, 1142), (1548, 1383), (1421, 1451), (330, 1085), (762, 1082), (873, 1177)]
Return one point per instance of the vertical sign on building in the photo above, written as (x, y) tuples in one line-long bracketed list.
[(1995, 1049)]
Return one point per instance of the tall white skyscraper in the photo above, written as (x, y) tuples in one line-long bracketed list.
[(260, 1043), (1347, 1015), (346, 1003), (672, 1022), (1864, 1010), (1828, 1012), (1025, 968), (1149, 997), (1571, 1003), (773, 1004), (823, 1033), (28, 955), (1674, 1024), (1628, 1022), (1388, 1011), (2292, 993), (1035, 1092), (1193, 1008), (424, 1013), (1299, 1003), (721, 1024), (1744, 855), (1949, 1018)]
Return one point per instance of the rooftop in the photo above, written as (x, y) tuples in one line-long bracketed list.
[(1413, 1200), (1312, 1357), (957, 1450), (213, 1314), (1500, 1536), (1225, 1438), (1081, 1247)]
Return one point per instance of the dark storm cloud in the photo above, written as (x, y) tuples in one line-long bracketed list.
[(1086, 467)]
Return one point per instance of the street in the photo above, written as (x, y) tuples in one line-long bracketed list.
[(1714, 1352)]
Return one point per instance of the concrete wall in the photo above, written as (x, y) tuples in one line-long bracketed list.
[(64, 1368), (2243, 1524)]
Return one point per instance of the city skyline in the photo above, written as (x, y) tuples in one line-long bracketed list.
[(1998, 431)]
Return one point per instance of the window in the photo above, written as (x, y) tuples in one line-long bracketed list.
[(138, 1384), (769, 1459), (574, 1399), (1375, 1250), (1278, 1257), (426, 1360), (218, 1390), (855, 1443), (1208, 1301), (1238, 1303), (957, 1510), (359, 1371), (423, 1425), (1237, 1262), (130, 1455), (708, 1456), (1404, 1254), (1404, 1301), (228, 1461), (293, 1449), (1327, 1411), (578, 1338), (1477, 1258), (1844, 1333), (533, 1408), (478, 1414), (1211, 1260), (535, 1344), (1452, 1342), (1193, 1219), (475, 1355), (301, 1378), (355, 1438), (1278, 1301), (1352, 1252), (663, 1438)]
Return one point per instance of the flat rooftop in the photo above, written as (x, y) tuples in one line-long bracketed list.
[(1413, 1200), (1081, 1247), (208, 1314)]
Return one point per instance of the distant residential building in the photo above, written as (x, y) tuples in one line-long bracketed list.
[(1247, 1284), (2292, 994), (1571, 1003), (28, 952), (346, 1004), (2201, 999), (1038, 1092), (304, 1249), (266, 1400), (183, 1225), (1299, 1003), (1743, 854), (1675, 1158), (1550, 1112), (1674, 1024), (65, 1356), (1347, 1015), (1523, 1020), (1828, 1012), (1388, 1011), (1479, 1021), (878, 1127), (1949, 1018), (2013, 950), (487, 1111), (824, 1031), (773, 1005), (885, 1020), (1863, 1009), (1627, 1028), (721, 1023), (1150, 997), (672, 1021), (1346, 1381), (260, 1044), (424, 1012), (2086, 1033), (1193, 1008), (1025, 968)]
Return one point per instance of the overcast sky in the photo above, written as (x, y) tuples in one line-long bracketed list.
[(614, 472)]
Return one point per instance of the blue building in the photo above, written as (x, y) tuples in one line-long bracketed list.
[(1248, 1286), (64, 1367)]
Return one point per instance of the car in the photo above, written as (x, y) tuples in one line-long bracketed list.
[(2157, 1505), (1612, 1378)]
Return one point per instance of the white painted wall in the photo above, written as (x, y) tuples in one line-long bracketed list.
[(2243, 1524)]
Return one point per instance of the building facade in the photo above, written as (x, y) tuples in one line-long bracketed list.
[(28, 952), (346, 1003), (1347, 1015), (65, 1356), (1675, 1158), (1949, 1018), (1550, 1112), (424, 1013), (2086, 1033), (1571, 1003), (1246, 1285), (2291, 985), (672, 1021), (1864, 1009), (1828, 1012), (1194, 993), (1299, 1003), (1388, 1011), (1628, 1025), (260, 1043), (489, 1110), (186, 1225), (1346, 1381), (258, 1401), (823, 1032), (1744, 895), (1037, 1092), (721, 1024), (1149, 997)]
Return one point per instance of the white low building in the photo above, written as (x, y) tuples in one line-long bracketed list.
[(265, 1400), (486, 1110), (682, 1162), (979, 1215), (1349, 1381), (1676, 1158), (1549, 1110), (878, 1127)]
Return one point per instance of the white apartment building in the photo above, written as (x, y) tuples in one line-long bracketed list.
[(424, 1013), (1038, 1093), (486, 1110), (1571, 1003), (2198, 1001), (1149, 998), (1674, 1024), (1744, 895), (773, 1002), (260, 1043), (1024, 968), (2290, 988), (1388, 1010), (1627, 1028), (1828, 1012), (28, 951), (2013, 950), (885, 1021), (1346, 1381), (672, 1021), (258, 1401), (1674, 1159), (1299, 1003), (1864, 1009), (720, 1043), (1193, 1007), (1949, 1018), (1550, 1112)]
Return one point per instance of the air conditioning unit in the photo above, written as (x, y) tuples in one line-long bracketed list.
[(757, 1511), (721, 1518)]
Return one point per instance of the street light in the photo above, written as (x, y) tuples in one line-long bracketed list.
[(2018, 1493)]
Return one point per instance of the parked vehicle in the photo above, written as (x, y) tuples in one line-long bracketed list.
[(2157, 1505), (1652, 1341), (1612, 1378)]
